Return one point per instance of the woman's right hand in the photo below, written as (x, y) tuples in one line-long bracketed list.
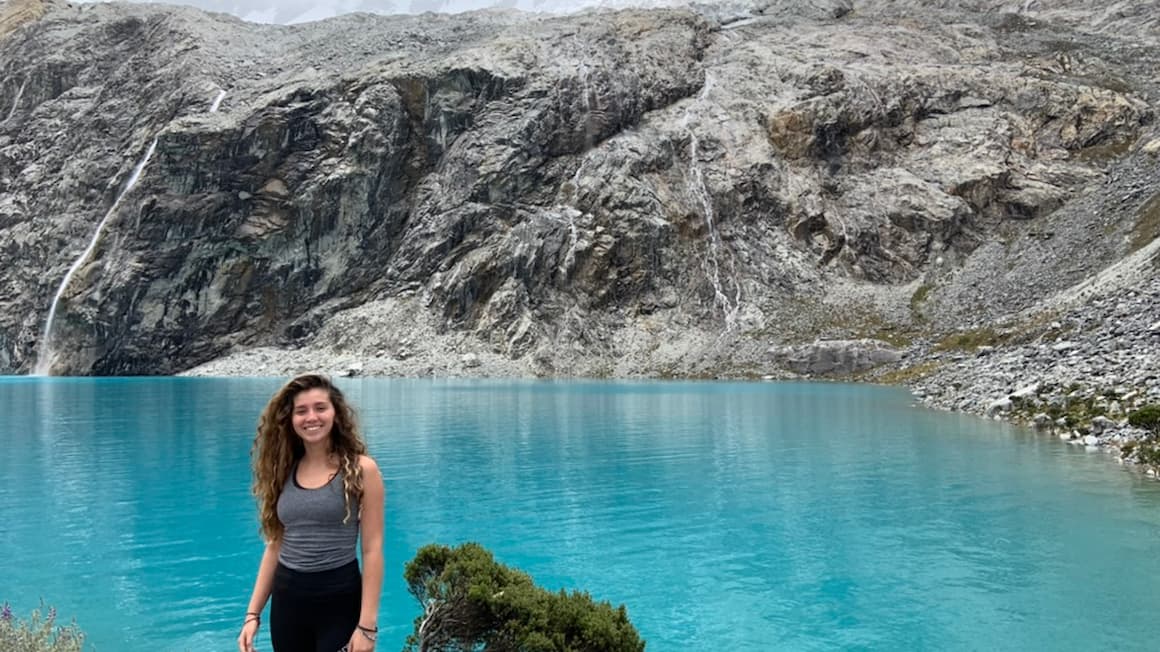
[(246, 638)]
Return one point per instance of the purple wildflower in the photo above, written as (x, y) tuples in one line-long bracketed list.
[(6, 612)]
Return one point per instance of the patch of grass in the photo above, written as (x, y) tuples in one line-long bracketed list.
[(833, 322), (1007, 234), (1147, 226), (970, 340), (1055, 334), (899, 339), (916, 301), (906, 375), (1103, 152)]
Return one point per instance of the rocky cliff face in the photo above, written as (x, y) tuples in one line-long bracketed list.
[(677, 191)]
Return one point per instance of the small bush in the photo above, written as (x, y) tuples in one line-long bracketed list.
[(1147, 417), (39, 633), (916, 301), (1148, 453), (472, 602)]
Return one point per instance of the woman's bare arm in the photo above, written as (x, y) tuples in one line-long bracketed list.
[(371, 530), (262, 587)]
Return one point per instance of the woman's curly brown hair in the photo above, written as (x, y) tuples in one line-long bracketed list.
[(276, 448)]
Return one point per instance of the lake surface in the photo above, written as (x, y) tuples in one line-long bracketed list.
[(725, 516)]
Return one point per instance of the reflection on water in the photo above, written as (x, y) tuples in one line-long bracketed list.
[(725, 516)]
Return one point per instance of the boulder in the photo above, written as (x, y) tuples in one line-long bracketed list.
[(834, 357)]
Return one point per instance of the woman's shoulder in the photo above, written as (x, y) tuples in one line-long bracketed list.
[(368, 464), (372, 477)]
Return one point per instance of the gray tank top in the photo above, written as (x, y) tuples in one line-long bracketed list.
[(315, 538)]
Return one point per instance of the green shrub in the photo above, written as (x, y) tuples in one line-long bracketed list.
[(471, 602), (39, 633), (1147, 417), (917, 299), (1148, 453)]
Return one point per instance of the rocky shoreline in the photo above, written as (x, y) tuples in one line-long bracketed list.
[(1075, 373)]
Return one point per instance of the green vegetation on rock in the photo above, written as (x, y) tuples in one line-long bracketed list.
[(969, 340), (916, 301), (1146, 417), (471, 602), (1147, 226), (39, 633)]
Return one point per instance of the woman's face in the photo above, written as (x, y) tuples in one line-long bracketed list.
[(313, 415)]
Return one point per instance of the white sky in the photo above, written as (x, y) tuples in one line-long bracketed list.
[(301, 11)]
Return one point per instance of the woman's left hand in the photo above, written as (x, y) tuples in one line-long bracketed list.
[(361, 641)]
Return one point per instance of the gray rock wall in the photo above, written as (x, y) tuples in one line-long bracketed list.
[(571, 193)]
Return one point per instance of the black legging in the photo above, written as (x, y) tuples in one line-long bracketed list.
[(314, 612)]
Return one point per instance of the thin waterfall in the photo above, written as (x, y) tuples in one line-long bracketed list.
[(217, 101), (16, 102), (586, 94), (46, 356), (711, 264), (573, 236), (572, 212), (443, 129)]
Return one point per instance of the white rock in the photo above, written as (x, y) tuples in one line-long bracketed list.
[(1025, 392), (1100, 424), (351, 370), (999, 406)]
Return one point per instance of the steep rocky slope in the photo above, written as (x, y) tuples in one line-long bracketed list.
[(687, 191)]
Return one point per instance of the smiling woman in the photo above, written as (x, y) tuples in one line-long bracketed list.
[(318, 493)]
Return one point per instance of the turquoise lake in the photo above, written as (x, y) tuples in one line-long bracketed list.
[(725, 516)]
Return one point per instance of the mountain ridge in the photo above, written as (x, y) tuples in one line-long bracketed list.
[(669, 192)]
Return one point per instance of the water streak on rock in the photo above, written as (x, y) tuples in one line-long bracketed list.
[(16, 100), (46, 355), (730, 306)]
